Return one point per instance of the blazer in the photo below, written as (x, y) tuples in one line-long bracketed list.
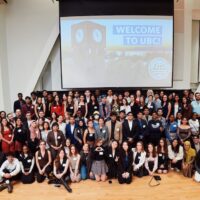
[(149, 118), (142, 159), (142, 129), (104, 134), (121, 163), (107, 108), (69, 134), (60, 139), (127, 133), (117, 131)]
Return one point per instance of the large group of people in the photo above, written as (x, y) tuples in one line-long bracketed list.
[(74, 136)]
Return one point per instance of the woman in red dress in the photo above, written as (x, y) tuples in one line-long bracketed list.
[(6, 136), (57, 106)]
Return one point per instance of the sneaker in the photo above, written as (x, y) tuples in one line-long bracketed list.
[(3, 187), (10, 188), (57, 185), (177, 170)]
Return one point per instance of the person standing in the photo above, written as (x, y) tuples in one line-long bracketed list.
[(55, 140)]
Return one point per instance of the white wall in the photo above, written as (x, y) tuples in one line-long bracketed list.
[(29, 32)]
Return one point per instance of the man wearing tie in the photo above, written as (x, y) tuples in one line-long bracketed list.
[(130, 130), (55, 140)]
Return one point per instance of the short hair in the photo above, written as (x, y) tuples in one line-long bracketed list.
[(55, 124)]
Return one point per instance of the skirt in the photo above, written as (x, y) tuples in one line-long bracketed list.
[(99, 168)]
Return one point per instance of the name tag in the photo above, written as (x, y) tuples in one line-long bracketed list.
[(160, 154), (79, 106), (139, 157), (104, 131), (78, 131), (64, 164), (20, 130), (74, 158), (91, 134), (71, 107), (58, 137), (10, 135), (29, 161), (39, 158), (54, 107), (174, 125), (144, 126), (117, 129), (95, 107), (110, 155), (38, 108), (101, 153)]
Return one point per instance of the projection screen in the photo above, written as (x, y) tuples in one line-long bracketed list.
[(116, 51)]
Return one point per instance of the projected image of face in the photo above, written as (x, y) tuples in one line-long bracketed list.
[(79, 35), (97, 35)]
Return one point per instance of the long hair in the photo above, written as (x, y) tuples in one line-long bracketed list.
[(154, 151), (175, 149), (70, 152), (57, 159), (165, 147)]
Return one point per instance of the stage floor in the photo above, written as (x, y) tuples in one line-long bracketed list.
[(173, 186)]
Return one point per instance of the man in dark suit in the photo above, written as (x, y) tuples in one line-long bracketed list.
[(55, 140), (69, 130), (142, 128), (18, 103), (130, 130)]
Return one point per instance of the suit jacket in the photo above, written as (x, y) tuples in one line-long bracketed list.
[(129, 133), (121, 163), (107, 108), (117, 131), (142, 129), (60, 139), (69, 134), (17, 105), (104, 134), (149, 118)]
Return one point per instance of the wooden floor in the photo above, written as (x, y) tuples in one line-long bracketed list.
[(173, 186)]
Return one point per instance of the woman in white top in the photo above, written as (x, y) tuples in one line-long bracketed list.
[(139, 156), (62, 124), (194, 125), (175, 153), (125, 106), (151, 161)]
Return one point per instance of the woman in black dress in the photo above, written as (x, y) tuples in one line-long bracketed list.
[(27, 163), (125, 164), (61, 170), (163, 160), (112, 160)]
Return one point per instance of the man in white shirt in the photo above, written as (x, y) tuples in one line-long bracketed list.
[(9, 172)]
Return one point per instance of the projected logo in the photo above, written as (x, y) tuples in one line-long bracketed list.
[(159, 68)]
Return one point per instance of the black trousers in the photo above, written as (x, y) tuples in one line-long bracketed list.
[(41, 178), (177, 165), (140, 172), (28, 179), (13, 178), (122, 180)]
